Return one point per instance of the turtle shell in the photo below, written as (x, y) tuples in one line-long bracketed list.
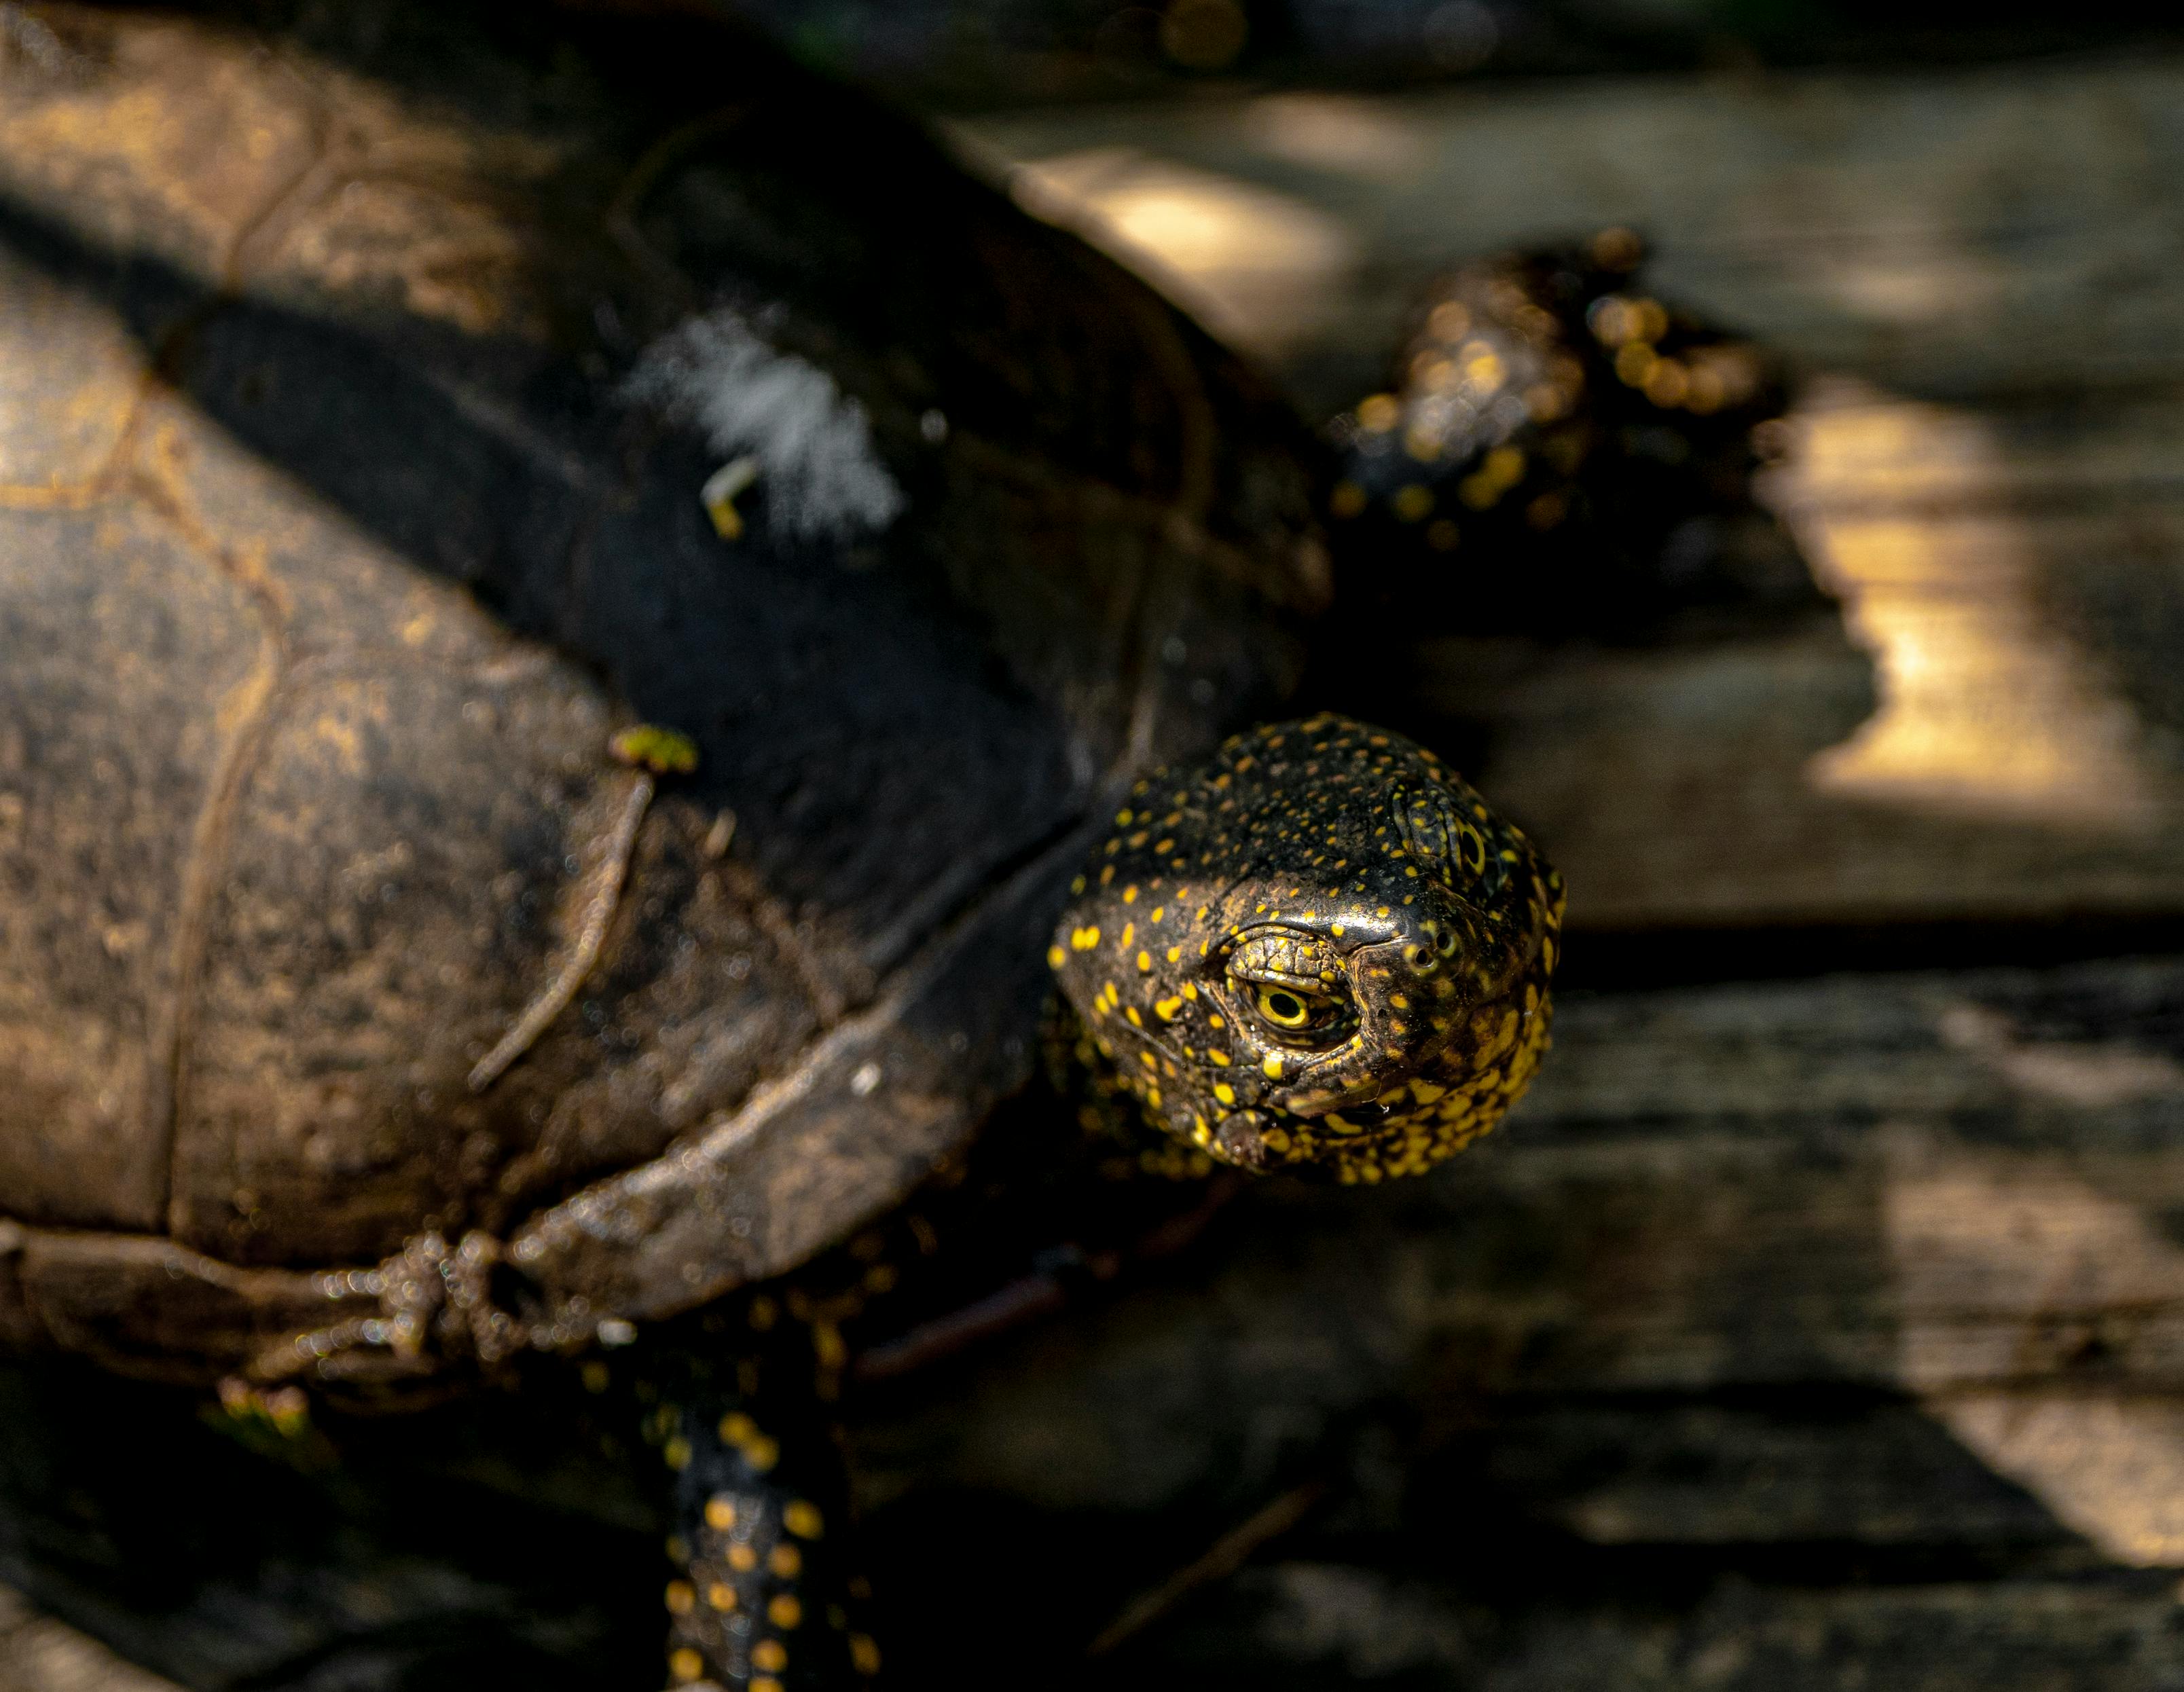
[(399, 408)]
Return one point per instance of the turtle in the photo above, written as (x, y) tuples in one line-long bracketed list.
[(1549, 406), (603, 652)]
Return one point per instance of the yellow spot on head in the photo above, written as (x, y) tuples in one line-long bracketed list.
[(1224, 1092), (770, 1655), (1130, 894), (1055, 957), (784, 1611), (1145, 961), (1167, 1008), (743, 1559), (720, 1596), (720, 1512), (1084, 939), (1272, 1066), (686, 1664)]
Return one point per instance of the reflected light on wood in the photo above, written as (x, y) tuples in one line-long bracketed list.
[(2008, 1269), (38, 1654), (1345, 134), (1901, 278), (1259, 268), (2111, 1468), (1987, 707)]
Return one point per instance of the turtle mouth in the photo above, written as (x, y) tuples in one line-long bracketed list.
[(1242, 1139)]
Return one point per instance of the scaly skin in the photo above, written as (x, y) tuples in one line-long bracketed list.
[(763, 1587), (1322, 949)]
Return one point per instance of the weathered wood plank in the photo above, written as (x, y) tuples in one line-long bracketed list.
[(38, 1654), (1778, 1303), (1944, 234), (1994, 729), (1319, 1622)]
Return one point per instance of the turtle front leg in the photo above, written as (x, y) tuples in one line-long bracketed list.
[(763, 1595)]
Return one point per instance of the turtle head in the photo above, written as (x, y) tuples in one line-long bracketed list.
[(1320, 949)]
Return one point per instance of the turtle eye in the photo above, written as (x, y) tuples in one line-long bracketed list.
[(1301, 1017), (1288, 983)]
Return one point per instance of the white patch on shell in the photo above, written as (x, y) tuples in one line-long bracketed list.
[(818, 470)]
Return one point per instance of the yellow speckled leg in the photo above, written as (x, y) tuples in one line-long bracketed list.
[(761, 1595)]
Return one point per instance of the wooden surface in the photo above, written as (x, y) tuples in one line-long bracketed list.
[(38, 1654), (1805, 1333), (1941, 234), (1808, 1327), (1811, 1327), (1981, 276)]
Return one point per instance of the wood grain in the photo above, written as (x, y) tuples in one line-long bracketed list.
[(1946, 234), (1975, 271), (38, 1654), (1791, 1329)]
